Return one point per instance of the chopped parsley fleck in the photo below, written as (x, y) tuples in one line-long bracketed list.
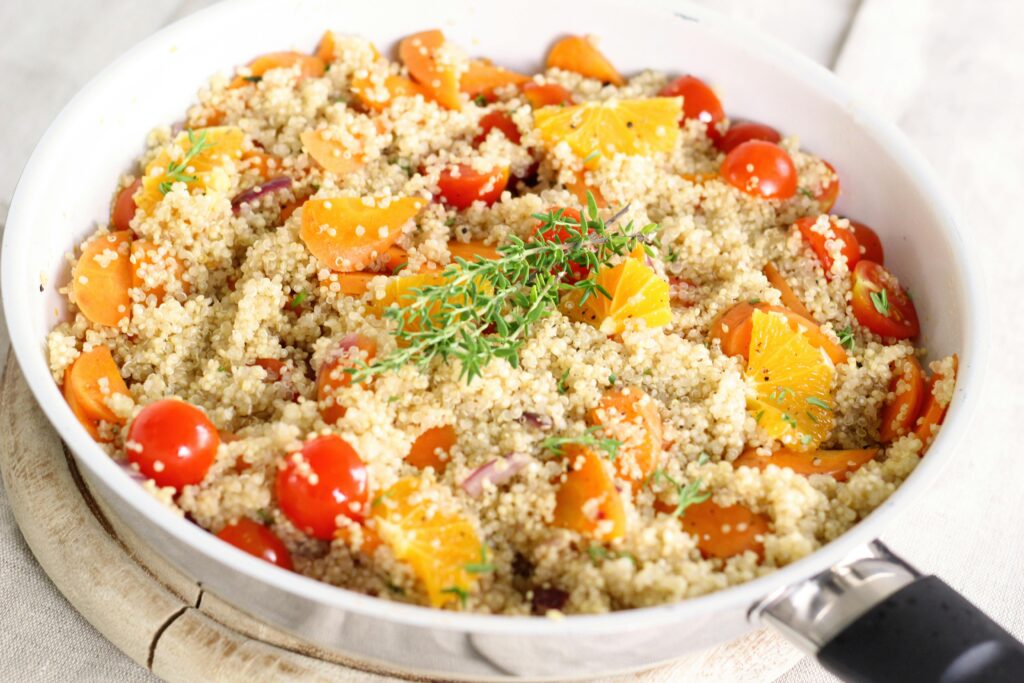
[(613, 378), (395, 588), (590, 157), (481, 567), (556, 444), (805, 192), (264, 516), (703, 458), (818, 403), (563, 388), (461, 593), (846, 339), (686, 494), (788, 419), (880, 300), (760, 414), (805, 439), (450, 222), (754, 301), (811, 416), (480, 101), (393, 399), (672, 256), (597, 552), (253, 79)]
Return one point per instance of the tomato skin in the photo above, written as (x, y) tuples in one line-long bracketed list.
[(503, 122), (899, 415), (768, 163), (870, 243), (340, 487), (699, 102), (547, 95), (177, 443), (258, 541), (332, 375), (850, 248), (828, 194), (901, 321), (578, 271), (745, 131), (124, 206), (462, 186)]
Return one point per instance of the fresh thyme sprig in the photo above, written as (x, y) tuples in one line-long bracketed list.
[(176, 170), (589, 439), (686, 494), (484, 309)]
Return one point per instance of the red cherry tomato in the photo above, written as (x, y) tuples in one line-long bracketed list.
[(739, 133), (503, 122), (829, 192), (870, 244), (124, 206), (881, 304), (564, 233), (547, 95), (762, 169), (461, 186), (325, 479), (173, 443), (850, 247), (699, 102), (257, 540)]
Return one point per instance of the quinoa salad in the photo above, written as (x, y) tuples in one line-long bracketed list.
[(426, 328)]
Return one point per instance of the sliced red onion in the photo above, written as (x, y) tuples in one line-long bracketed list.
[(537, 420), (253, 193), (496, 472)]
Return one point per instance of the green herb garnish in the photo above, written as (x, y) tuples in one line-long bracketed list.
[(589, 439), (880, 300), (686, 494), (846, 339), (789, 419), (590, 157), (481, 567), (805, 192), (613, 378), (176, 171), (818, 403), (459, 592), (298, 299), (563, 388), (252, 79), (480, 101)]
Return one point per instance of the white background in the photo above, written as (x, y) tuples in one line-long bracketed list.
[(949, 72)]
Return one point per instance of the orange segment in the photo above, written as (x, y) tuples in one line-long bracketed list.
[(310, 66), (587, 501), (422, 55), (333, 155), (346, 233), (210, 153), (838, 464), (593, 129), (791, 381), (430, 449), (482, 78), (147, 261), (472, 251), (733, 328), (87, 382), (102, 276), (723, 532), (789, 297), (426, 529), (637, 293), (376, 94), (631, 416), (578, 54)]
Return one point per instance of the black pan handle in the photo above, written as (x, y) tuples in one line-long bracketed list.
[(874, 619)]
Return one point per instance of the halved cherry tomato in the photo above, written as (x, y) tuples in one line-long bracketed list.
[(838, 464), (745, 131), (881, 304), (699, 102), (124, 206), (258, 541), (850, 247), (900, 412), (463, 185), (274, 367), (932, 412), (503, 122), (325, 479), (829, 192), (564, 233), (870, 244), (173, 443), (431, 447), (724, 532), (333, 377), (761, 169), (547, 95)]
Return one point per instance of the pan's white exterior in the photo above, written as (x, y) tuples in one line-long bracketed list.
[(65, 190)]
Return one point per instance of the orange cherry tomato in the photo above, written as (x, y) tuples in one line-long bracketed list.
[(838, 464), (274, 367), (325, 479), (881, 304), (430, 448), (870, 244), (723, 532), (124, 206), (760, 168), (899, 415), (333, 377), (699, 102), (503, 122), (932, 412), (173, 443), (547, 95), (829, 192), (745, 131), (463, 185), (850, 247), (258, 541), (564, 233)]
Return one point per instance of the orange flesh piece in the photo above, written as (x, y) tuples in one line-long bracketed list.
[(637, 294), (101, 287), (83, 382), (483, 78), (370, 541), (345, 234), (708, 521), (838, 464), (733, 327), (789, 297), (419, 54), (620, 413), (577, 54), (587, 501), (310, 66), (332, 155), (471, 251), (933, 412), (430, 449), (900, 414)]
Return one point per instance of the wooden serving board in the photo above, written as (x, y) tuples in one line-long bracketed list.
[(169, 624)]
